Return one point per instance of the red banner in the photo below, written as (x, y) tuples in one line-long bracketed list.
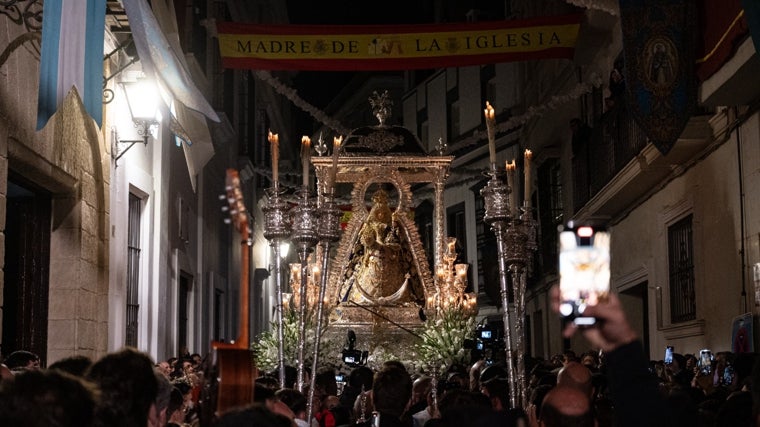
[(394, 47)]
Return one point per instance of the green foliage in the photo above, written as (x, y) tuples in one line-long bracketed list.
[(265, 347)]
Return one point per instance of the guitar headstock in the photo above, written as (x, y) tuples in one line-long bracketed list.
[(237, 211)]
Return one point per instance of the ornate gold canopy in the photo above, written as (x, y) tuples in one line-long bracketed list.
[(376, 157)]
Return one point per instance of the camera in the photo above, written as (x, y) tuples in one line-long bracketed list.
[(668, 355), (584, 270), (354, 357), (340, 378), (351, 356)]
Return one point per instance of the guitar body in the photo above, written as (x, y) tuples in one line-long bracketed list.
[(237, 375), (233, 375)]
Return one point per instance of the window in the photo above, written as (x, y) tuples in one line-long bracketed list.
[(550, 212), (683, 306), (133, 269)]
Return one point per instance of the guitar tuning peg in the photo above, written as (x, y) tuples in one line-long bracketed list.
[(227, 221), (225, 208), (250, 241), (233, 212), (222, 196)]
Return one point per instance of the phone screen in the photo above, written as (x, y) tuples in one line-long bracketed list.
[(705, 361), (584, 270), (669, 355)]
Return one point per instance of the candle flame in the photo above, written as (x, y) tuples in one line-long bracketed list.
[(489, 112)]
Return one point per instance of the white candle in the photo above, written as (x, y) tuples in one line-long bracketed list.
[(511, 167), (334, 171), (490, 127), (528, 182), (274, 140), (305, 157)]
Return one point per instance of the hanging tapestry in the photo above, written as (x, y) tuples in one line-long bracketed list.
[(659, 46)]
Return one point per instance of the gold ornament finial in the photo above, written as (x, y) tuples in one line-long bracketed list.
[(381, 106)]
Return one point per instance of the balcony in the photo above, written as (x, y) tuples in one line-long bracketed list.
[(615, 168)]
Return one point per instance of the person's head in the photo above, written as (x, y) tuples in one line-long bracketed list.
[(590, 361), (421, 389), (253, 415), (74, 365), (163, 397), (679, 363), (576, 375), (21, 360), (535, 402), (291, 375), (569, 356), (361, 377), (391, 390), (165, 368), (325, 384), (5, 373), (128, 387), (459, 406), (475, 371), (566, 406), (294, 399), (458, 379), (497, 390), (37, 398)]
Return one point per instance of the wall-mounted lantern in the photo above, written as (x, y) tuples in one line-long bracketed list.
[(142, 100)]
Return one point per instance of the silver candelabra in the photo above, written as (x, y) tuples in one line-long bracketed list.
[(328, 231), (516, 242), (305, 235), (276, 229)]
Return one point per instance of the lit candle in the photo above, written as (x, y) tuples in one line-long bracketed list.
[(334, 171), (305, 156), (461, 270), (511, 166), (452, 246), (490, 126), (274, 140), (528, 182)]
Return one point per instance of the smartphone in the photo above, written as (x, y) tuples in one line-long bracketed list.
[(669, 355), (584, 269), (705, 362)]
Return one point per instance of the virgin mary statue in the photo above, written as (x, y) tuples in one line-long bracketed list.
[(380, 269)]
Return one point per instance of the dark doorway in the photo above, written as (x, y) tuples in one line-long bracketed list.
[(27, 269), (636, 307), (183, 303)]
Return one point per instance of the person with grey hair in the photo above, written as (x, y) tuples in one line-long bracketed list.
[(163, 397)]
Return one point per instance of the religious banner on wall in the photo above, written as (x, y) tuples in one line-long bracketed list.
[(659, 47), (394, 47)]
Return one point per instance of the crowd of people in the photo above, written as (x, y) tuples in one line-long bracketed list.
[(614, 385)]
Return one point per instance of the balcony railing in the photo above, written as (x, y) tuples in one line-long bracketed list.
[(602, 152)]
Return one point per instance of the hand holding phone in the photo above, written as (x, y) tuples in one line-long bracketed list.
[(668, 355), (584, 269)]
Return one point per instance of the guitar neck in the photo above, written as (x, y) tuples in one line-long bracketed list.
[(243, 338)]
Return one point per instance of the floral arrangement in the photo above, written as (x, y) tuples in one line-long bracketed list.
[(443, 339), (265, 348)]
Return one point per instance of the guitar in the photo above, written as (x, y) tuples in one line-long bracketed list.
[(236, 371)]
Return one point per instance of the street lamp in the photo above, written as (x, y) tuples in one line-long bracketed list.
[(142, 100)]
